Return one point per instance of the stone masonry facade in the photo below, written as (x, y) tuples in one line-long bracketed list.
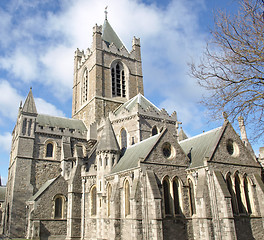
[(121, 168)]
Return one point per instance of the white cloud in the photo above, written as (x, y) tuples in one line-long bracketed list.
[(9, 100), (169, 37), (20, 65), (5, 141), (47, 108)]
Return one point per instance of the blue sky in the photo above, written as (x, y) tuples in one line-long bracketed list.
[(38, 40)]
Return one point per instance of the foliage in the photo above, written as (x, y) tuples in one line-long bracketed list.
[(232, 68)]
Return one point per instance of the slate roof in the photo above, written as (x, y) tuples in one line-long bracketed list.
[(44, 120), (29, 105), (109, 35), (2, 193), (134, 153), (138, 99), (108, 140), (42, 189), (201, 146)]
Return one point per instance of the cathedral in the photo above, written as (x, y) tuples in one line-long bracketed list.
[(121, 168)]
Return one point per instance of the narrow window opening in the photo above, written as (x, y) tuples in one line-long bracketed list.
[(93, 201), (238, 194), (246, 190), (24, 127), (176, 197), (58, 207), (85, 86), (166, 196), (127, 198), (29, 127), (109, 192), (230, 189), (191, 197), (49, 150), (123, 139), (118, 81), (154, 131)]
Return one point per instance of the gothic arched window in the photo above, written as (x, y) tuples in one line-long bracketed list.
[(166, 195), (118, 80), (127, 198), (49, 150), (85, 86), (230, 189), (246, 190), (109, 192), (123, 135), (191, 197), (58, 207), (93, 200), (176, 198), (238, 194), (154, 131)]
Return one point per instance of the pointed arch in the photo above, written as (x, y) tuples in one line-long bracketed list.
[(230, 189), (247, 194), (238, 193), (166, 195), (127, 197), (154, 130), (93, 200), (176, 195), (191, 197), (118, 79)]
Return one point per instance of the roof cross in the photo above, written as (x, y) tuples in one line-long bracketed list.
[(106, 12)]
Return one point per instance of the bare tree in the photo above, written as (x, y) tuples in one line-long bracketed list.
[(232, 68)]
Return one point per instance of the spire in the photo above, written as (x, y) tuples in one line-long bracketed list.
[(109, 35), (108, 139), (29, 105)]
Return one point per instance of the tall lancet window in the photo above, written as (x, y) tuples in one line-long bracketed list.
[(118, 81), (85, 86)]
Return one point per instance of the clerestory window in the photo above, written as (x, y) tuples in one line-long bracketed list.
[(118, 80)]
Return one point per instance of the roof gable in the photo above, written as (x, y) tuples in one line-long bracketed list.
[(138, 99)]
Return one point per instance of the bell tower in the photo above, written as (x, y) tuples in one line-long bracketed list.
[(106, 75)]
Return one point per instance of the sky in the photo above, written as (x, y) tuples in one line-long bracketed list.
[(38, 39)]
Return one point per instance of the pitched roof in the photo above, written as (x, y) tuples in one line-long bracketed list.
[(42, 189), (29, 105), (2, 193), (60, 122), (138, 99), (134, 153), (108, 139), (109, 35), (201, 146)]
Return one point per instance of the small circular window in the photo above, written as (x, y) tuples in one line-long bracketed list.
[(168, 150), (232, 148)]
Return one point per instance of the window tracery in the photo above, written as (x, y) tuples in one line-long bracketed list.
[(118, 80)]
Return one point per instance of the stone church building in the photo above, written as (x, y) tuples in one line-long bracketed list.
[(121, 168)]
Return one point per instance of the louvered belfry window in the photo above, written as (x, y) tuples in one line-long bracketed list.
[(118, 81)]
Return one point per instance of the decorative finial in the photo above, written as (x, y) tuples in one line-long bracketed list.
[(225, 115), (106, 12), (30, 88)]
